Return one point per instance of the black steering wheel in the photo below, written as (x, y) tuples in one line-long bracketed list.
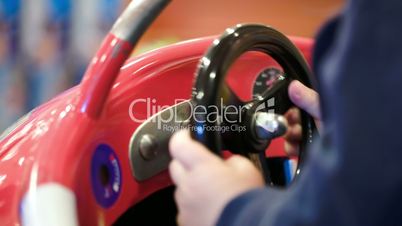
[(210, 88)]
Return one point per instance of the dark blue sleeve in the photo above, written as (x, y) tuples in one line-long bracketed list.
[(354, 172)]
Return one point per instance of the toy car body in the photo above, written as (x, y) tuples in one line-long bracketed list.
[(68, 161)]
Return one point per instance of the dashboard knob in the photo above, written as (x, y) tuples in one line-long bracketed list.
[(148, 147)]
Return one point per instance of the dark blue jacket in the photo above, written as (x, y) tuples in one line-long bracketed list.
[(354, 173)]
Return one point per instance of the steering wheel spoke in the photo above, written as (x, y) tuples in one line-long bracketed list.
[(275, 99)]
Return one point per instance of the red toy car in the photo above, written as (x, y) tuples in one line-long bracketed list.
[(97, 154)]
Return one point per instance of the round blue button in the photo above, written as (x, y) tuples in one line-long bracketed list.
[(105, 175)]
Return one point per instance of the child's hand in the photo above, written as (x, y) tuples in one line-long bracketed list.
[(306, 99), (206, 183)]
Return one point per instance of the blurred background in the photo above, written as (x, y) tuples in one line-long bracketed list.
[(45, 45)]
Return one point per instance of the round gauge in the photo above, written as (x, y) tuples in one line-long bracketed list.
[(265, 80)]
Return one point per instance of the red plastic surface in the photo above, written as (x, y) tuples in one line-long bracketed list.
[(56, 141)]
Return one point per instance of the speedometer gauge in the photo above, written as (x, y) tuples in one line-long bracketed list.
[(265, 80)]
